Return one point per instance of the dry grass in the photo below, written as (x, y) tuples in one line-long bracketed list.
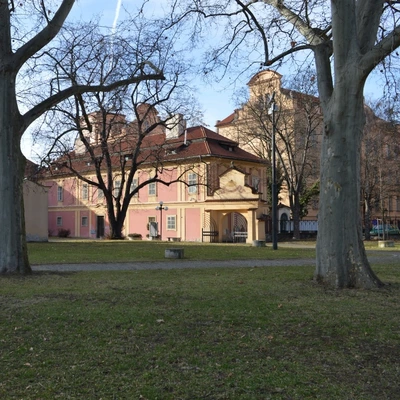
[(263, 333)]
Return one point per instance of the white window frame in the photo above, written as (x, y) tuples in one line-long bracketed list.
[(152, 188), (85, 191), (192, 183), (60, 193), (134, 185), (171, 222), (85, 221), (117, 187), (59, 221)]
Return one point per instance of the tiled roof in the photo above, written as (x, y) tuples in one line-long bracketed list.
[(226, 121), (31, 170), (197, 143), (298, 95)]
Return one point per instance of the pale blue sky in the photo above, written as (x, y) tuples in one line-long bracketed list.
[(216, 100)]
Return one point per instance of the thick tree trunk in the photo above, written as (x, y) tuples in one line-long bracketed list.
[(13, 250), (341, 258), (116, 222)]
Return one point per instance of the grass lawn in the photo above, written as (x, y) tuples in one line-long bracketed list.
[(72, 251), (240, 333)]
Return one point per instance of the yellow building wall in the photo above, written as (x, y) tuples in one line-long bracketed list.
[(36, 212)]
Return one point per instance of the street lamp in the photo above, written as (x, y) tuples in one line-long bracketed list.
[(160, 207), (271, 111)]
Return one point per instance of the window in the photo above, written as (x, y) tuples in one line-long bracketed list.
[(85, 221), (100, 194), (60, 193), (59, 221), (192, 182), (171, 222), (85, 191), (152, 189), (117, 186), (134, 185), (255, 183), (152, 226)]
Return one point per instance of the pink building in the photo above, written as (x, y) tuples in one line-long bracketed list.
[(221, 196)]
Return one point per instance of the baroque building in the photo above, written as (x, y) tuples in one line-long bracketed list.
[(210, 189)]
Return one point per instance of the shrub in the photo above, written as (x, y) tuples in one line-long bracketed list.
[(64, 233), (135, 236)]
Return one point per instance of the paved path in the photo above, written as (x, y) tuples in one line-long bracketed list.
[(375, 257), (168, 264)]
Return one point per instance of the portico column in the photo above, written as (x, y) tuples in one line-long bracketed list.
[(251, 226)]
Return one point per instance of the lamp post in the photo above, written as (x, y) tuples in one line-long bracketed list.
[(272, 109), (161, 207)]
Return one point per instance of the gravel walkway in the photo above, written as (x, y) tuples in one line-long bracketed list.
[(374, 258), (175, 264)]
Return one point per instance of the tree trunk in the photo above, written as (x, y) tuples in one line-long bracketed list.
[(341, 258), (13, 250), (296, 216), (116, 222)]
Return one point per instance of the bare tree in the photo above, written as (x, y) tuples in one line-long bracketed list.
[(348, 39), (379, 176), (109, 152), (298, 124), (17, 49)]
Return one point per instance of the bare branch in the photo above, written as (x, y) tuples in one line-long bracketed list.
[(45, 36), (313, 36), (288, 52), (368, 15), (46, 104), (380, 51)]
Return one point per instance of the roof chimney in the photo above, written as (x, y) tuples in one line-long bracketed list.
[(175, 127)]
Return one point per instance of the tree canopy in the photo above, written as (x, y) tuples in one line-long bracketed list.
[(28, 32)]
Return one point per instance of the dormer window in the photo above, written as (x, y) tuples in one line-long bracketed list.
[(227, 147)]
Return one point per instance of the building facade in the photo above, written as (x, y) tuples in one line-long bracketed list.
[(35, 205), (219, 193), (298, 131), (294, 121)]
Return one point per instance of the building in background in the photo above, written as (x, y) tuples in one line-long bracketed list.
[(221, 194), (298, 133), (35, 206), (294, 120)]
